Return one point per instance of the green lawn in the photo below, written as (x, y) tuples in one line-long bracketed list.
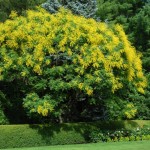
[(139, 145)]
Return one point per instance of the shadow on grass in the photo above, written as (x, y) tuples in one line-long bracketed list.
[(64, 133), (71, 133)]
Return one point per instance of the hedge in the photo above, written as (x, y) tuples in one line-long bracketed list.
[(12, 136)]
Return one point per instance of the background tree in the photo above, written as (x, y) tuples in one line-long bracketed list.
[(6, 6), (80, 7), (140, 27)]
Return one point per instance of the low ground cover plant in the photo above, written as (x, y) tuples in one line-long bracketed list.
[(121, 135)]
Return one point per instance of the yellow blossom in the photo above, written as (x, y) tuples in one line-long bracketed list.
[(40, 109)]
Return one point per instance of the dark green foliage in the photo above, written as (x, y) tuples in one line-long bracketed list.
[(118, 11), (57, 134), (139, 31), (3, 119), (11, 102), (6, 6)]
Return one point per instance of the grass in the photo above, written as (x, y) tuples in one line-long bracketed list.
[(135, 145)]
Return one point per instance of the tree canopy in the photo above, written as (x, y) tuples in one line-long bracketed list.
[(58, 60), (67, 66)]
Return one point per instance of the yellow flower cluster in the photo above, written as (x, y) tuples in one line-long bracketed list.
[(88, 43), (44, 109), (34, 104), (130, 111), (13, 14)]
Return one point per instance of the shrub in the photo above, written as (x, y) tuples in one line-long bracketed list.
[(134, 134), (40, 135)]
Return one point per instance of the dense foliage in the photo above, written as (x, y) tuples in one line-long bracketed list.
[(6, 6), (63, 68), (135, 17)]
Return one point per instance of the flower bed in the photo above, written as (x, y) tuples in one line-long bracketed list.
[(121, 135)]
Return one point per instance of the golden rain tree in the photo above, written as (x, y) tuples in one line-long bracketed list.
[(69, 63)]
